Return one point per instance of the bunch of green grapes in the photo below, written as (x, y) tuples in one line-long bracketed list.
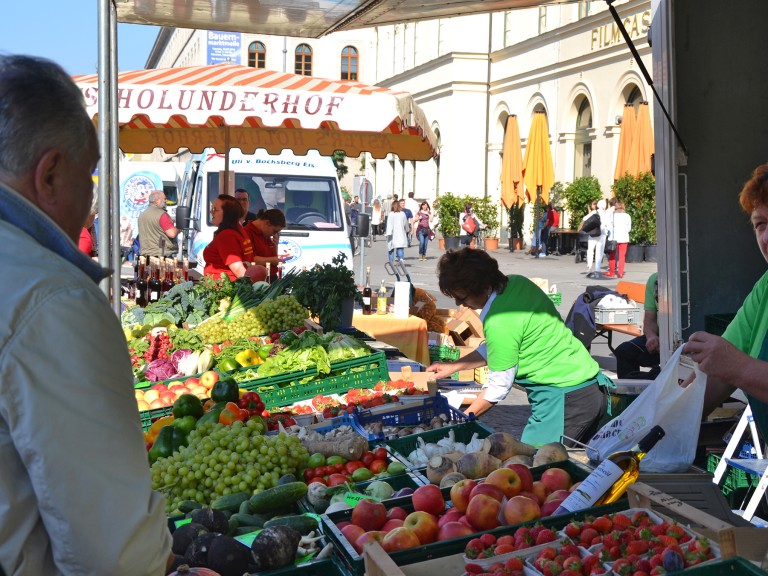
[(221, 460), (278, 315)]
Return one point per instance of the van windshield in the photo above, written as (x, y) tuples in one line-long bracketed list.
[(307, 202)]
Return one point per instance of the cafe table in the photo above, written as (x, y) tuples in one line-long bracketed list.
[(409, 335)]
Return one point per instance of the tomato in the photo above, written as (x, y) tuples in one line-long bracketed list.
[(338, 468), (380, 453), (367, 458), (336, 479), (350, 467), (317, 479), (308, 474), (378, 466)]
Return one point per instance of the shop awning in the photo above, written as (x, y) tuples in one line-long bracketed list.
[(226, 106)]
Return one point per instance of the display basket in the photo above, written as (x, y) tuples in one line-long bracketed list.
[(413, 414), (402, 447), (733, 478), (556, 297), (442, 353), (354, 563), (617, 315)]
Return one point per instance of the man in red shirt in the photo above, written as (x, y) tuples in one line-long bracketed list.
[(156, 227), (553, 219)]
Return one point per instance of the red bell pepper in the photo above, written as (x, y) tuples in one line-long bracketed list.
[(251, 402), (232, 413)]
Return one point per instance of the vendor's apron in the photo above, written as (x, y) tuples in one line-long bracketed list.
[(548, 408)]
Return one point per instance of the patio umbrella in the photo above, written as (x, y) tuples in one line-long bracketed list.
[(642, 143), (628, 122), (227, 106), (538, 170), (511, 164)]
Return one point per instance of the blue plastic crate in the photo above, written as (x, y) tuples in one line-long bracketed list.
[(397, 365), (411, 414)]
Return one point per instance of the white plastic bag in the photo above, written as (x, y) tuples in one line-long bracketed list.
[(665, 403)]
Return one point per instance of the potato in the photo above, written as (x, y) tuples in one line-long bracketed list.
[(477, 464), (504, 445), (438, 467), (549, 453), (451, 479), (519, 459)]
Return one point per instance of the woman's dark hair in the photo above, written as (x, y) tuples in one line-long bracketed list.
[(468, 207), (469, 272), (755, 191), (231, 212), (423, 203), (274, 216), (395, 206)]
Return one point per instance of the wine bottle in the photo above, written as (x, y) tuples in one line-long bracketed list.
[(167, 275), (608, 482), (154, 283), (268, 279), (367, 292), (141, 283), (381, 299)]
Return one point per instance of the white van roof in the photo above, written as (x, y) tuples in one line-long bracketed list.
[(311, 164)]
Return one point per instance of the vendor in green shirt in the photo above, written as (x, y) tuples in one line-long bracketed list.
[(526, 342), (740, 358)]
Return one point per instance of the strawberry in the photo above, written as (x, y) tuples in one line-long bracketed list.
[(488, 540)]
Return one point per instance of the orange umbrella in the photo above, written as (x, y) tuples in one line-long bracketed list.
[(625, 140), (538, 170), (511, 164), (642, 144)]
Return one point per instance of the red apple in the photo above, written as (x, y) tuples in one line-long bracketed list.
[(452, 515), (396, 513), (483, 512), (367, 538), (526, 478), (424, 525), (391, 524), (460, 494), (352, 532), (521, 509), (369, 514), (191, 382), (464, 520), (428, 499), (343, 523), (453, 530), (209, 378), (556, 479), (549, 507), (488, 490), (400, 539), (540, 490), (574, 486), (506, 479), (557, 495)]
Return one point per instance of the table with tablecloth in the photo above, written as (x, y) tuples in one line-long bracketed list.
[(409, 335)]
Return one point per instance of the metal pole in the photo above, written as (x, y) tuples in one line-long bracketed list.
[(105, 140), (114, 173)]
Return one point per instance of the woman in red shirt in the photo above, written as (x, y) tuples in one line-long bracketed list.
[(231, 249), (265, 235)]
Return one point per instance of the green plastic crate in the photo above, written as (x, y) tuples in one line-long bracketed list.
[(733, 478), (353, 562), (736, 565), (401, 447), (557, 298), (441, 353)]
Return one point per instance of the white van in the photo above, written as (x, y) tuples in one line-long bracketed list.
[(305, 188)]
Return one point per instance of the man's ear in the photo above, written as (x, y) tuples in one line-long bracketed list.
[(46, 176)]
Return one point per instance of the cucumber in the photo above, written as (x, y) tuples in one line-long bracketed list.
[(278, 498), (230, 502), (255, 521), (245, 507), (233, 525), (189, 505), (286, 479), (302, 524)]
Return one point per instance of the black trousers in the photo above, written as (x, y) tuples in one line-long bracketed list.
[(631, 355), (584, 409)]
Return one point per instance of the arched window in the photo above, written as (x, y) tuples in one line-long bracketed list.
[(303, 61), (583, 141), (257, 55), (349, 63)]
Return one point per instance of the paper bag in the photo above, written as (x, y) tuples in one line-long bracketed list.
[(402, 299)]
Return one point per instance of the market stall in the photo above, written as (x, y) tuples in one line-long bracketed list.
[(409, 334)]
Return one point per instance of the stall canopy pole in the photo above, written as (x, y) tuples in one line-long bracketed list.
[(114, 173), (105, 140)]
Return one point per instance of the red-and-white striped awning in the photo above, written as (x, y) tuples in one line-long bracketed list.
[(227, 106)]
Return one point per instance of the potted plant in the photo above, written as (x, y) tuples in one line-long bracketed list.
[(449, 207), (516, 221), (579, 195), (638, 193), (329, 291), (487, 210)]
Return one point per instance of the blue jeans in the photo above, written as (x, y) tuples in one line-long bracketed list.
[(423, 235), (400, 254)]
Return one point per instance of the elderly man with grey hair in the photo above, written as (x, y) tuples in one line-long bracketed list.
[(75, 484), (155, 226)]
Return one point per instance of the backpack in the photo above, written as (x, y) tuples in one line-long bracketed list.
[(469, 225)]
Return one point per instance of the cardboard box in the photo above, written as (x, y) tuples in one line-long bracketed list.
[(542, 283), (465, 326), (474, 342), (420, 379), (439, 339), (466, 375)]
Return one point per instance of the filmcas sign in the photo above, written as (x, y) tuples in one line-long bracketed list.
[(608, 35)]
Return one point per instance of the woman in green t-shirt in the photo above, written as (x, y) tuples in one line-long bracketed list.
[(526, 342), (740, 358)]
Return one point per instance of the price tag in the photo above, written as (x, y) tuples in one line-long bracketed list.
[(353, 498)]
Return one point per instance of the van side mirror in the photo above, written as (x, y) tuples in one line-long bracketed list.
[(363, 225), (183, 221)]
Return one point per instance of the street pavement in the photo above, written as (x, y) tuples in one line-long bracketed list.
[(511, 414)]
